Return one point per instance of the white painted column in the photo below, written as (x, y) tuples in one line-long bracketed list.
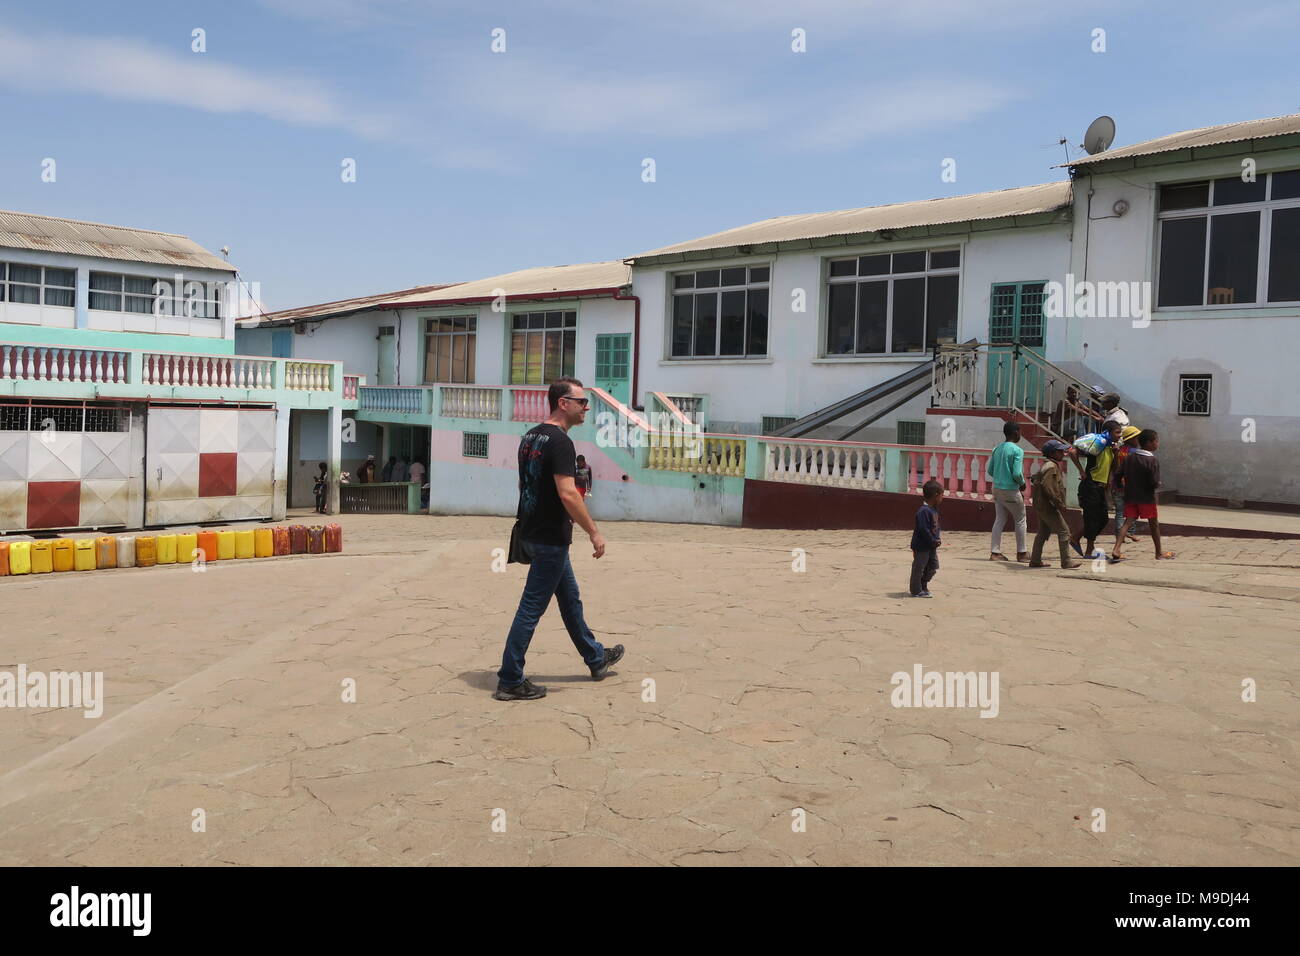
[(335, 456), (280, 502)]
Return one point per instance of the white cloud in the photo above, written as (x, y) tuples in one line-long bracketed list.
[(898, 109), (126, 69)]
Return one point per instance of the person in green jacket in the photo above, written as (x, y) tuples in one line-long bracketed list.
[(1007, 469)]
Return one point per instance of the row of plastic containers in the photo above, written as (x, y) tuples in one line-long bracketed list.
[(145, 551)]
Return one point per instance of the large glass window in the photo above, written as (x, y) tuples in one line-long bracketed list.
[(34, 285), (449, 348), (1226, 242), (720, 313), (542, 346), (145, 295), (892, 302)]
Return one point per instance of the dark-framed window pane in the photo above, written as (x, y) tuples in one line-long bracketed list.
[(760, 273), (683, 315), (706, 323), (909, 315), (756, 334), (1284, 257), (518, 352), (843, 267), (570, 347), (61, 297), (106, 281), (1184, 196), (536, 351), (30, 294), (570, 320), (841, 308), (909, 262), (1182, 261), (940, 311), (142, 285), (873, 265), (537, 320), (945, 259), (520, 321), (733, 276), (1234, 258), (1286, 185), (873, 316), (106, 302), (554, 361), (707, 279), (733, 323), (684, 281), (1232, 190), (144, 305)]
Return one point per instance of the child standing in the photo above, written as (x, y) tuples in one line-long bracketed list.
[(1099, 449), (582, 476), (1141, 479), (321, 488), (1049, 504), (925, 541)]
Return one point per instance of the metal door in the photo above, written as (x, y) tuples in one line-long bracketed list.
[(386, 370), (1015, 319), (209, 464)]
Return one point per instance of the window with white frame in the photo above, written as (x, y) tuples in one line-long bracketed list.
[(892, 302), (145, 295), (449, 348), (1225, 242), (720, 313), (542, 346), (1194, 394), (36, 285)]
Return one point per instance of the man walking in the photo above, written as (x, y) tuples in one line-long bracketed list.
[(549, 504), (1007, 469)]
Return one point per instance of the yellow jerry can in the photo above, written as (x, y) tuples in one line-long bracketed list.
[(263, 543), (84, 555), (64, 558), (42, 557), (106, 552), (185, 546), (146, 552), (244, 544), (165, 548), (225, 545), (20, 557)]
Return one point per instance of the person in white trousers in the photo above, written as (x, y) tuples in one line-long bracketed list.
[(1007, 469)]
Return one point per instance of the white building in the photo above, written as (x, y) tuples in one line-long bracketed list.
[(122, 401)]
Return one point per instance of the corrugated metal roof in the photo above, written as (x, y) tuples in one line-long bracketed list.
[(1206, 136), (543, 282), (328, 310), (24, 230), (999, 204)]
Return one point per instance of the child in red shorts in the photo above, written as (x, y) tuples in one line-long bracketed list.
[(1141, 479)]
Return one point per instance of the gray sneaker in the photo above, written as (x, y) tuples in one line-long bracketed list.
[(525, 691), (612, 656)]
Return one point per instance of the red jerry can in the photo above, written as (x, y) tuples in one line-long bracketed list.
[(316, 539), (333, 538), (297, 539), (280, 540)]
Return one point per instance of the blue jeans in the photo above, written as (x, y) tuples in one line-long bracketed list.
[(550, 573)]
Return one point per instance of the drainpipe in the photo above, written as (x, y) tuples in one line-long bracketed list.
[(636, 347)]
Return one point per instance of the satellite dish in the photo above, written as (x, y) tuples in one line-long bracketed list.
[(1101, 133)]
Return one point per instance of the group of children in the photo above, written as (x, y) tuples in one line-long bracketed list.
[(1117, 463)]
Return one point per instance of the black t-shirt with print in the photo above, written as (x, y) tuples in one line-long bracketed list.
[(544, 452)]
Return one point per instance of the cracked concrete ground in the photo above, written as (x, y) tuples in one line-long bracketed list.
[(1120, 690)]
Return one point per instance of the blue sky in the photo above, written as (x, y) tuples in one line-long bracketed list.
[(471, 163)]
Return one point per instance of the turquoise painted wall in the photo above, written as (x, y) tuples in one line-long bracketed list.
[(91, 339)]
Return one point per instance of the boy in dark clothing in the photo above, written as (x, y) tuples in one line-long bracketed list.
[(321, 488), (926, 541), (1141, 479), (582, 476)]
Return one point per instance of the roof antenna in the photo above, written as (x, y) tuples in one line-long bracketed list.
[(1066, 143)]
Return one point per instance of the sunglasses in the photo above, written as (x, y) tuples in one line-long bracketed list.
[(584, 402)]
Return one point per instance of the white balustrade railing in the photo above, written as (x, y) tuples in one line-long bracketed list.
[(381, 398), (55, 364), (309, 376), (832, 464), (688, 405), (207, 371), (467, 401)]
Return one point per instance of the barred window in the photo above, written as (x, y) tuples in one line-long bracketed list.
[(1194, 394), (474, 444)]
